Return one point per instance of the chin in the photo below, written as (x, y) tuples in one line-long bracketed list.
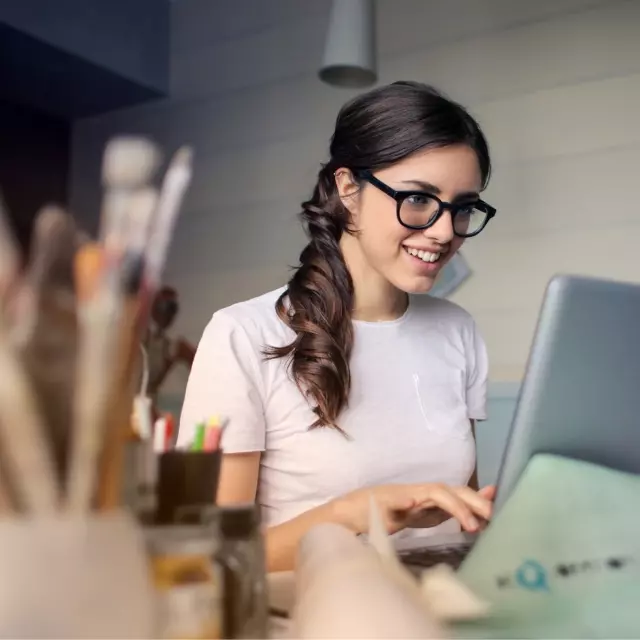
[(416, 284)]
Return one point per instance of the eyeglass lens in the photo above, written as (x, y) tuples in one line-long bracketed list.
[(421, 210)]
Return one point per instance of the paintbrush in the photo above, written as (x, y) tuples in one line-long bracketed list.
[(174, 187), (27, 464), (50, 268), (143, 207), (44, 326), (90, 399), (128, 166)]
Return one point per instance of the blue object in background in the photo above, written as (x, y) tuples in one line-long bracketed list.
[(453, 274)]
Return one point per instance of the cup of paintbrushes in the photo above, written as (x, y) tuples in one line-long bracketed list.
[(187, 485)]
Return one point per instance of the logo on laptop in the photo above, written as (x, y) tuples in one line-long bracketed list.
[(533, 576)]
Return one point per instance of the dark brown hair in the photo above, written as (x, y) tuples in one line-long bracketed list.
[(372, 131)]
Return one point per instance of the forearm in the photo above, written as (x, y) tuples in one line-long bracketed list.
[(283, 539)]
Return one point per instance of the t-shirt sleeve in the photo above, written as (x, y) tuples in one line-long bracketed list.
[(477, 376), (225, 381)]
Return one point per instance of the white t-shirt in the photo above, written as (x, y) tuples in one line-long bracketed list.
[(416, 383)]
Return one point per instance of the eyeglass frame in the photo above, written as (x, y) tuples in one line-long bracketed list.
[(401, 196)]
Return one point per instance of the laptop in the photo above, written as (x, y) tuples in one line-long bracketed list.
[(579, 398)]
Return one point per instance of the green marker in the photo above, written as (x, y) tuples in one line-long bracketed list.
[(198, 440)]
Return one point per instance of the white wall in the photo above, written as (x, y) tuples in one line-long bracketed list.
[(555, 83)]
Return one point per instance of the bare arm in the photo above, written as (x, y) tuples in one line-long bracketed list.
[(399, 504), (238, 484)]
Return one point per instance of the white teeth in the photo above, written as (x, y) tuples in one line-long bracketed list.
[(425, 256)]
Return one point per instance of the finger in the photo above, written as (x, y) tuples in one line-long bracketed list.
[(448, 500), (401, 504), (476, 501), (488, 492), (399, 510)]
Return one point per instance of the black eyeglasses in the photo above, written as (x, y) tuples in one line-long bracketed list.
[(421, 210)]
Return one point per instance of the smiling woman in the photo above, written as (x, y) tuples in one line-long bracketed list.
[(344, 382)]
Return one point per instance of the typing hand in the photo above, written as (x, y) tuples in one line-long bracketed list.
[(424, 517), (410, 505)]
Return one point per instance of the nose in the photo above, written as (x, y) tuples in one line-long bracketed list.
[(442, 231)]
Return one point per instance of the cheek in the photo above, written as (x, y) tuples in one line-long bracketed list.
[(380, 232), (378, 224), (382, 242), (456, 243)]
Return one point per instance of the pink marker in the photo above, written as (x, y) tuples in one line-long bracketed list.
[(212, 438)]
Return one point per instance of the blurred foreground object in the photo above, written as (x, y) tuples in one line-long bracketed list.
[(71, 322)]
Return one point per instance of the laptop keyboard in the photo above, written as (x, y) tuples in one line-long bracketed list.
[(417, 560)]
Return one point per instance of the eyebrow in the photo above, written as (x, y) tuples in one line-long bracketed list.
[(431, 188)]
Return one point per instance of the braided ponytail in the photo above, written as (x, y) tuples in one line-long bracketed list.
[(317, 305)]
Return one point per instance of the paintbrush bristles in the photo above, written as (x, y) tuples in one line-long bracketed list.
[(53, 247), (129, 162)]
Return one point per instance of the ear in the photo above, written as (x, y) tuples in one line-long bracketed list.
[(347, 189)]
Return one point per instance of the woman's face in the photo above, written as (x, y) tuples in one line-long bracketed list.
[(385, 247)]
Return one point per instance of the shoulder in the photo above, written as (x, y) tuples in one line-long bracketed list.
[(255, 310), (256, 319)]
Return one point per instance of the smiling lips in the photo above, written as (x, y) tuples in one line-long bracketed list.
[(425, 256)]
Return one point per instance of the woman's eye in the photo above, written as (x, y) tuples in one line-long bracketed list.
[(466, 209), (416, 200)]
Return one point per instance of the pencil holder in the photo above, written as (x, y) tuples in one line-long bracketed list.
[(139, 480), (72, 577), (187, 485)]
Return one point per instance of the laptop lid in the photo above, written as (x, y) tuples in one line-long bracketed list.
[(580, 397)]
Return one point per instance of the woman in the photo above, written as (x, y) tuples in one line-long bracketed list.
[(345, 383)]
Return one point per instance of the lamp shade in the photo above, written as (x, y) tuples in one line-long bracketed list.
[(350, 50)]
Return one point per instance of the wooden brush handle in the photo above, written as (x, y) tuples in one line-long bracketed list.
[(25, 447), (119, 424), (50, 360)]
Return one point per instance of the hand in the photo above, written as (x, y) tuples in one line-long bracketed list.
[(433, 516), (403, 505)]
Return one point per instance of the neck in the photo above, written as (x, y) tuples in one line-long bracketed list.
[(376, 299)]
